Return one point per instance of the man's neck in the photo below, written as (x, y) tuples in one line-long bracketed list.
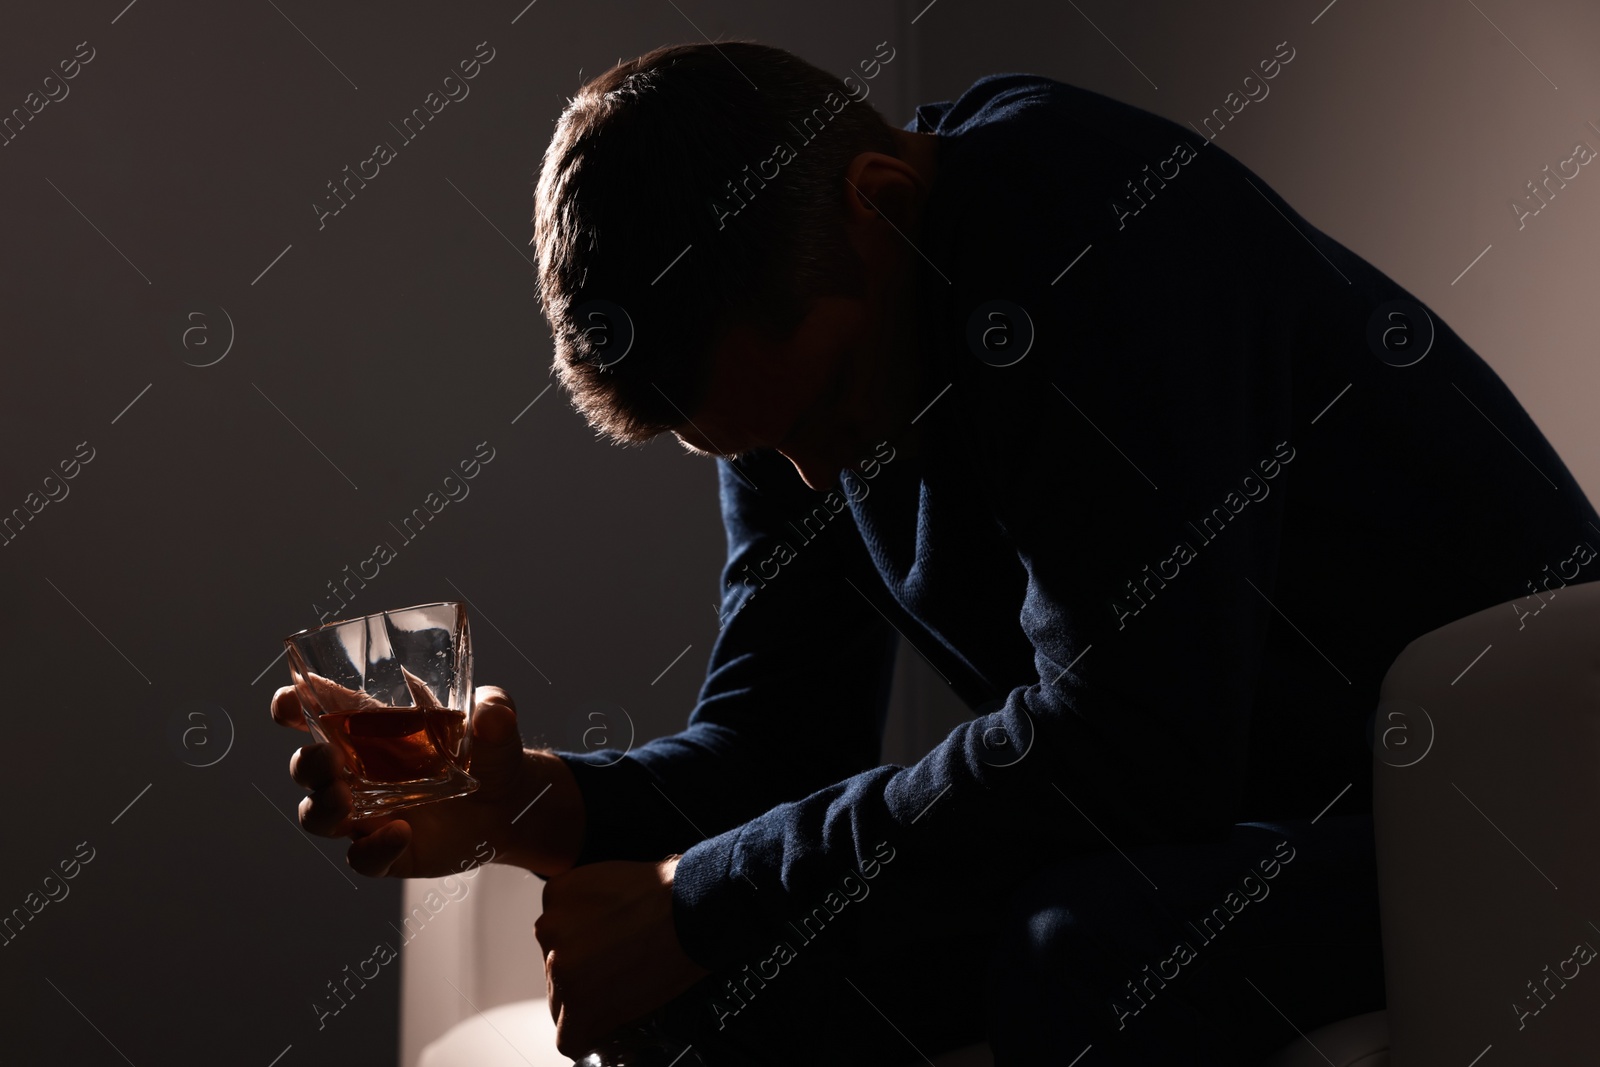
[(921, 150), (908, 377), (888, 394)]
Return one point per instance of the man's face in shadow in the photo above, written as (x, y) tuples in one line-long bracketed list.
[(845, 378), (785, 394)]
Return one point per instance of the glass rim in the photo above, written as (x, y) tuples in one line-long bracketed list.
[(459, 604)]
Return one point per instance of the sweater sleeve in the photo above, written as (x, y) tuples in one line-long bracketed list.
[(795, 692), (1139, 460)]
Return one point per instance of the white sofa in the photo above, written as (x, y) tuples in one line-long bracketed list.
[(1486, 795)]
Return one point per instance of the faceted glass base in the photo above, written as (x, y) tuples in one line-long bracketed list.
[(369, 798)]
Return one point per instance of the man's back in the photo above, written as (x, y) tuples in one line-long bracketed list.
[(1224, 414)]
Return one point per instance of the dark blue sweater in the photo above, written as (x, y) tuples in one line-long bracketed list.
[(1166, 557)]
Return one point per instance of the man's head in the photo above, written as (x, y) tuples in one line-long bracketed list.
[(721, 232)]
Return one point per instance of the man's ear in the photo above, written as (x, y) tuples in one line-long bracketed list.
[(879, 184)]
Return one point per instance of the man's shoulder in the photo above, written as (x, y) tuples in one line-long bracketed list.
[(1045, 188), (992, 98), (1026, 107)]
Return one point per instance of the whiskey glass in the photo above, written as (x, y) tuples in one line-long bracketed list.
[(391, 692)]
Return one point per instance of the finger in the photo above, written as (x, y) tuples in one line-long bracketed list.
[(314, 766), (495, 722), (577, 1037), (553, 911), (553, 994), (381, 852), (493, 694), (542, 934), (495, 756), (326, 812), (565, 1034), (550, 992), (286, 709)]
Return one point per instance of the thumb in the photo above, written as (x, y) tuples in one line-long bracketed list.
[(496, 740)]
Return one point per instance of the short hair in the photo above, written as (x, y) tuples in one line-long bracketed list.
[(657, 195)]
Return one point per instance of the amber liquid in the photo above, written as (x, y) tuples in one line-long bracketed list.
[(390, 744)]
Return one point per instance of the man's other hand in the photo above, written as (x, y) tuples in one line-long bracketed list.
[(611, 952)]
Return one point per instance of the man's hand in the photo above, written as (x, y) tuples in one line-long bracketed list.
[(446, 836), (611, 952)]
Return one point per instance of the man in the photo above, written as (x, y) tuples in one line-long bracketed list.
[(1157, 475)]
